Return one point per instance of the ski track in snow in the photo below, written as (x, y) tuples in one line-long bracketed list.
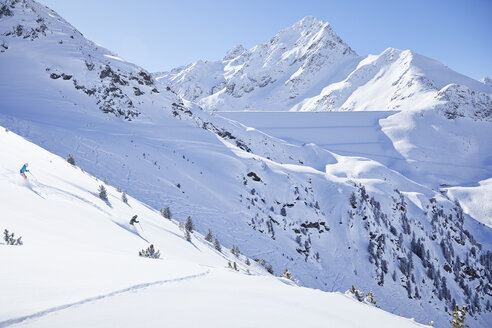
[(134, 288)]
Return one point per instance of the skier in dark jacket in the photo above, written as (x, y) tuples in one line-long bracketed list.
[(134, 220), (23, 170)]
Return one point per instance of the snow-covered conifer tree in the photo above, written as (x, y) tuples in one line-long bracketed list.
[(217, 245), (166, 212), (209, 236), (102, 193), (189, 226), (70, 159)]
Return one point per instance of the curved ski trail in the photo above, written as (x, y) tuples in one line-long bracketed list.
[(133, 288)]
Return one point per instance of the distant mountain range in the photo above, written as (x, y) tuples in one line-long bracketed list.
[(307, 67)]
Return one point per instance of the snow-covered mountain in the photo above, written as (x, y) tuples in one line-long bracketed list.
[(438, 107), (79, 263), (307, 67), (427, 93), (293, 65), (334, 221)]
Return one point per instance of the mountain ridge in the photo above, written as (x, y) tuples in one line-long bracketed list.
[(330, 89)]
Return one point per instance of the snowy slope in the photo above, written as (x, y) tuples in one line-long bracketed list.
[(285, 203), (79, 264)]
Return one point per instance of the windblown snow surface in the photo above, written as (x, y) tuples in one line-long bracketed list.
[(384, 219)]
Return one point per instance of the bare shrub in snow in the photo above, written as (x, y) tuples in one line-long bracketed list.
[(124, 198)]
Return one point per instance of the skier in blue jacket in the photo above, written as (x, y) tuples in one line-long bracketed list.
[(23, 170)]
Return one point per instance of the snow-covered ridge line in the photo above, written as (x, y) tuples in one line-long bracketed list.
[(291, 64), (307, 67)]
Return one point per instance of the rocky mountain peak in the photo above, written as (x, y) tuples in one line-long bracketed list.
[(234, 52)]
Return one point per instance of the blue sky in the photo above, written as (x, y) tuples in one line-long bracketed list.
[(159, 34)]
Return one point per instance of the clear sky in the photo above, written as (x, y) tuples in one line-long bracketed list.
[(160, 34)]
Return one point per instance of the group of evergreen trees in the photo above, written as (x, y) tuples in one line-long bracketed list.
[(360, 296), (447, 236), (150, 252), (10, 239)]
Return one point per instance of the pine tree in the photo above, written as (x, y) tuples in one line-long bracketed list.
[(459, 317), (166, 212), (370, 298), (124, 198), (248, 262), (235, 250), (187, 235), (234, 265), (6, 236), (70, 159), (359, 294), (217, 245), (287, 274), (353, 200), (102, 193), (189, 226), (209, 236)]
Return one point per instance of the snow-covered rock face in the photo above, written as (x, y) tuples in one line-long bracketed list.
[(115, 85), (333, 221), (288, 67), (460, 101), (487, 80)]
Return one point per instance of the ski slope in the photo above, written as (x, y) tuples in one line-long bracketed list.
[(79, 266)]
